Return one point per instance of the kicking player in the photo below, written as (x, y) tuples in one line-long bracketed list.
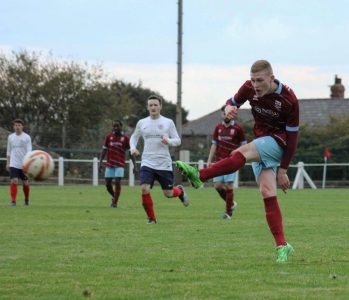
[(227, 137), (158, 133), (19, 144), (275, 110), (115, 146)]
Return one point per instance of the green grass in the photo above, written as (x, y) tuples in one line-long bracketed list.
[(69, 242)]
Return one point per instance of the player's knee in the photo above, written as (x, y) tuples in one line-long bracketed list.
[(249, 151), (220, 190), (218, 186), (168, 194), (117, 184), (145, 190), (267, 191), (14, 180)]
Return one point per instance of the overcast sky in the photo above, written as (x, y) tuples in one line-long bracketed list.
[(135, 40)]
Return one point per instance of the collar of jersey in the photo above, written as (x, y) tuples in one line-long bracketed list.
[(232, 122), (279, 89)]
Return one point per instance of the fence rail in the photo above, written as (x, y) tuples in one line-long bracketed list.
[(299, 180)]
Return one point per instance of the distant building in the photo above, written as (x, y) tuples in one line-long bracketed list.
[(197, 134)]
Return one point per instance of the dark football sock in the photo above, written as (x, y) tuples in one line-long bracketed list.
[(26, 190), (229, 201), (117, 192), (221, 193)]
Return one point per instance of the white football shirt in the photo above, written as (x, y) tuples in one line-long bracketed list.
[(156, 155), (17, 147)]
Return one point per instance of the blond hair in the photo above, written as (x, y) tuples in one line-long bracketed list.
[(261, 65)]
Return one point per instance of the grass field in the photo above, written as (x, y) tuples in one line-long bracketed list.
[(69, 244)]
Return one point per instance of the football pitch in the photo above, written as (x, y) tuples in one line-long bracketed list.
[(69, 244)]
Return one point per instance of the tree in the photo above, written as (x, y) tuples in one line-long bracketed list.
[(74, 104), (65, 104), (314, 141), (20, 96)]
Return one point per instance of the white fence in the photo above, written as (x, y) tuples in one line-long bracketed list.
[(298, 182)]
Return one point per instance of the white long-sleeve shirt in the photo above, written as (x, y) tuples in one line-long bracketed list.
[(17, 147), (156, 155)]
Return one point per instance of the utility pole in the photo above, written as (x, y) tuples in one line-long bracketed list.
[(179, 82), (179, 68)]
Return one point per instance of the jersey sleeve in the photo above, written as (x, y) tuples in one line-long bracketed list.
[(135, 136), (174, 138), (8, 151), (292, 141), (242, 136), (215, 136), (292, 128), (29, 144), (243, 94), (292, 123), (105, 143)]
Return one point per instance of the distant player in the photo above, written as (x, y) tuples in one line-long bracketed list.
[(18, 145), (275, 110), (158, 133), (227, 137), (115, 146)]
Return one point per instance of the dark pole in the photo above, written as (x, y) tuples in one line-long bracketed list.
[(179, 81)]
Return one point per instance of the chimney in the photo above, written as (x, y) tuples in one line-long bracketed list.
[(337, 90)]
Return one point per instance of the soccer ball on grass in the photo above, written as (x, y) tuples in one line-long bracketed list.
[(38, 165)]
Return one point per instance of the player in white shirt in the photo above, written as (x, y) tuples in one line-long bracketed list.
[(158, 134), (18, 145)]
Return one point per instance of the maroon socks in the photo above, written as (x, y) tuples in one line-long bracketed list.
[(274, 219), (224, 166)]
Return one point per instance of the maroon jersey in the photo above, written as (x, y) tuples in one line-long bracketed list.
[(227, 139), (275, 114), (116, 146)]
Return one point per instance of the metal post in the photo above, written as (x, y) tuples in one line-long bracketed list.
[(131, 176), (301, 177), (61, 171), (298, 181), (201, 164), (324, 173), (95, 171)]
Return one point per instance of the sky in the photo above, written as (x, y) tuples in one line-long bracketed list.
[(136, 41)]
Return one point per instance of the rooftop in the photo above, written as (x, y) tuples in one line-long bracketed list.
[(314, 112)]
